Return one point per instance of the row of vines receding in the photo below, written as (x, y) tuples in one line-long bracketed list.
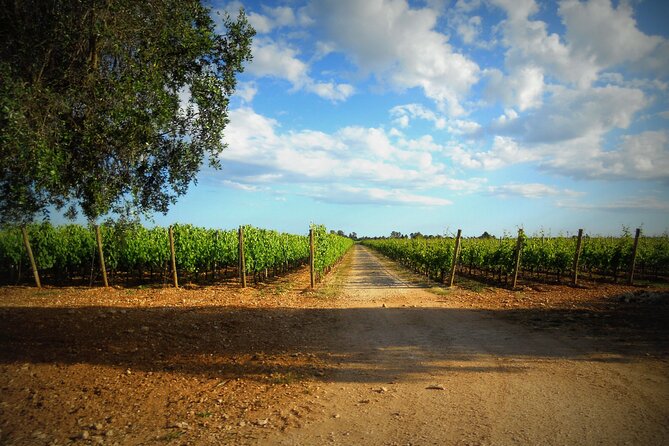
[(542, 258)]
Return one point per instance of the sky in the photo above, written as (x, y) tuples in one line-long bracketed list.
[(429, 116)]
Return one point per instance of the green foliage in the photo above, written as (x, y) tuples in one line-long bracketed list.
[(555, 254), (433, 256), (264, 249), (131, 248), (329, 248), (92, 113), (605, 256)]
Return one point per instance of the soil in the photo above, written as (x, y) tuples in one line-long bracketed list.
[(375, 355)]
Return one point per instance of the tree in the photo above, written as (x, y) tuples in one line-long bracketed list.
[(111, 106), (353, 236), (396, 234)]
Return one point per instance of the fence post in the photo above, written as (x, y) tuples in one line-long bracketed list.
[(630, 279), (519, 247), (173, 258), (242, 260), (101, 255), (577, 256), (33, 265), (456, 253), (312, 263)]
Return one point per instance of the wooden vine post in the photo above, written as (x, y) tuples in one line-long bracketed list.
[(33, 265), (577, 256), (173, 258), (630, 278), (312, 260), (519, 248), (242, 260), (101, 256), (456, 253)]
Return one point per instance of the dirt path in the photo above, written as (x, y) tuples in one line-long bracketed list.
[(405, 368)]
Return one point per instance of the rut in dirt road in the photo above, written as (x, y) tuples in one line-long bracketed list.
[(407, 368)]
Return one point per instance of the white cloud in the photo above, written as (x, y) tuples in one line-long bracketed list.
[(529, 44), (522, 88), (399, 45), (331, 91), (624, 204), (605, 35), (504, 152), (575, 113), (247, 91), (469, 29), (240, 186), (644, 156), (598, 36), (277, 59), (529, 190), (273, 18), (281, 15), (375, 196), (403, 114), (257, 149), (262, 24), (611, 78)]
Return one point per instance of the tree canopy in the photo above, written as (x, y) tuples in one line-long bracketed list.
[(111, 106)]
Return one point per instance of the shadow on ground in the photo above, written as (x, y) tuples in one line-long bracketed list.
[(395, 342)]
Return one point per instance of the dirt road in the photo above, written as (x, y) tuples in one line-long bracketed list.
[(405, 369)]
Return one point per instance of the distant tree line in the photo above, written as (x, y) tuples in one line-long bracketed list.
[(417, 235)]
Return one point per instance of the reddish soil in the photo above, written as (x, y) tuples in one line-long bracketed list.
[(373, 356)]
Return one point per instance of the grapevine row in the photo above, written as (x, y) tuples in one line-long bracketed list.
[(329, 248), (541, 257), (69, 252)]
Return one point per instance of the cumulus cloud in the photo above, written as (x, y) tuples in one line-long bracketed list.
[(240, 186), (504, 152), (522, 88), (529, 44), (259, 152), (644, 156), (403, 114), (598, 36), (575, 113), (625, 204), (605, 35), (277, 59), (270, 19), (529, 190), (247, 91), (280, 60), (467, 25), (375, 196), (564, 96), (399, 45)]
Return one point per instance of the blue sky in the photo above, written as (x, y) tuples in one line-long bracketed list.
[(486, 115)]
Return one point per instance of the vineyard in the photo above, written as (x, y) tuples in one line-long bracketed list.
[(541, 258), (69, 253)]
